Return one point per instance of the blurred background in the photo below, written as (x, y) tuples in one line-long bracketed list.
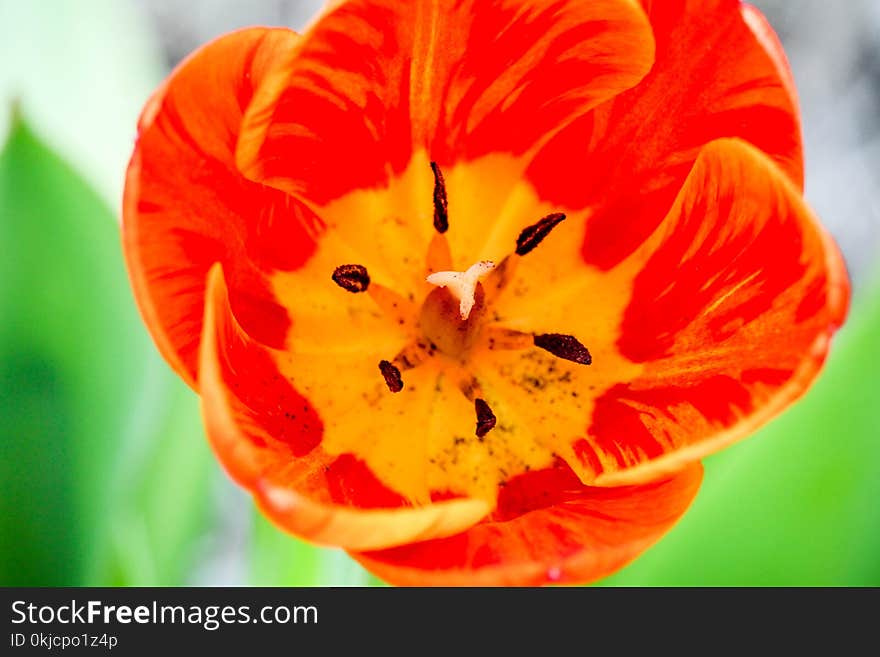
[(105, 475)]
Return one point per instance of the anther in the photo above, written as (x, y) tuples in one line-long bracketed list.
[(564, 346), (441, 203), (485, 417), (353, 278), (532, 236), (391, 375)]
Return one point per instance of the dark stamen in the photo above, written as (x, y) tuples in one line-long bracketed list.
[(564, 346), (441, 204), (353, 278), (485, 417), (532, 236), (391, 375)]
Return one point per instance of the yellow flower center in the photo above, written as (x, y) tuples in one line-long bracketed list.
[(451, 317), (444, 374)]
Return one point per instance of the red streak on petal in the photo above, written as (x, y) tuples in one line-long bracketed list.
[(442, 496), (270, 400), (672, 289), (537, 489), (458, 78), (628, 158), (188, 206), (351, 482), (620, 415), (250, 297), (616, 423), (345, 84), (537, 104), (584, 534), (815, 300), (587, 455), (769, 375)]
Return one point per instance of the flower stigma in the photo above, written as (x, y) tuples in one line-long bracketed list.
[(463, 284)]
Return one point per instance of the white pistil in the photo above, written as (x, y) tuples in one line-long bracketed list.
[(463, 284)]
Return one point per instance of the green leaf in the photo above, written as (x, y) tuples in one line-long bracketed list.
[(82, 70), (164, 481), (795, 504), (105, 472)]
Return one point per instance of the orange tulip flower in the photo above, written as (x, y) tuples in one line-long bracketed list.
[(469, 287)]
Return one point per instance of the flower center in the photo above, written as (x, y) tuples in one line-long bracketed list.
[(454, 317), (463, 285), (442, 322)]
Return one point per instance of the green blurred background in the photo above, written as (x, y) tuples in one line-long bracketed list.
[(105, 475)]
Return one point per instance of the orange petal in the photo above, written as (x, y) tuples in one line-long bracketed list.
[(376, 81), (186, 206), (713, 77), (269, 437), (730, 318), (548, 528), (716, 323)]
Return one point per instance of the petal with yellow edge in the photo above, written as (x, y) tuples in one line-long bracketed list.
[(731, 316), (186, 205), (548, 529), (268, 437), (716, 323)]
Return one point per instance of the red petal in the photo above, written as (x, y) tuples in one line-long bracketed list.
[(268, 437), (627, 159), (377, 80), (765, 35), (549, 528), (731, 317), (187, 206)]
